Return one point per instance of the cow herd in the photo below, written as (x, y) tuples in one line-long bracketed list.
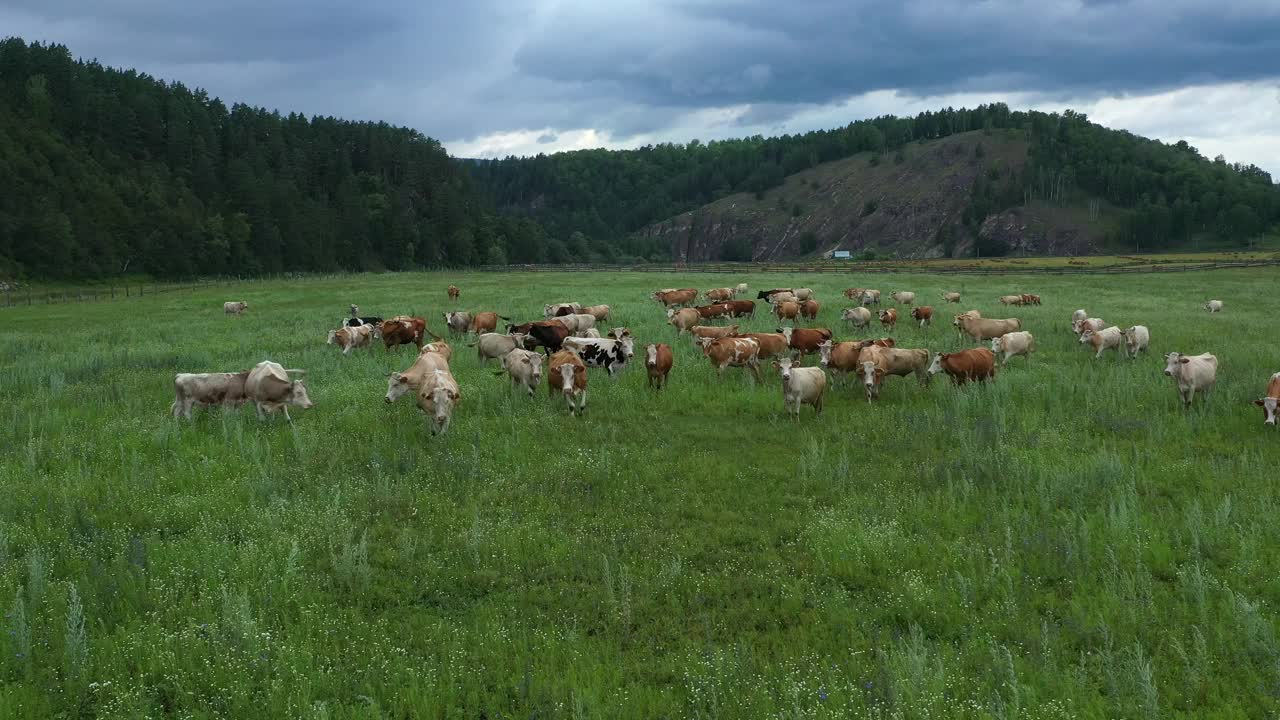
[(570, 345)]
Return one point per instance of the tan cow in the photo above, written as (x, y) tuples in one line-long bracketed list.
[(984, 329), (437, 397), (875, 363), (870, 297), (740, 289), (840, 358), (599, 312), (1192, 373), (347, 338), (951, 297), (772, 345), (809, 309), (426, 363), (786, 310), (683, 319), (902, 297), (1013, 344), (234, 308), (552, 310), (270, 388), (1094, 324), (858, 317), (1010, 299), (524, 367), (1136, 339), (207, 390), (712, 331), (719, 295), (494, 345), (567, 374), (803, 294), (801, 386), (1213, 306)]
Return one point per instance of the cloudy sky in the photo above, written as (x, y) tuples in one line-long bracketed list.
[(498, 77)]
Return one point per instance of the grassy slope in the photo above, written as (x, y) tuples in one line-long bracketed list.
[(1066, 543)]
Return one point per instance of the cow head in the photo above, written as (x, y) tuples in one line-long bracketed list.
[(872, 376), (784, 366), (786, 333), (298, 395), (935, 367), (628, 345), (442, 401), (1086, 336), (397, 385), (824, 353), (671, 313), (333, 336), (651, 355), (1268, 405), (534, 361), (566, 378), (996, 344), (1173, 363)]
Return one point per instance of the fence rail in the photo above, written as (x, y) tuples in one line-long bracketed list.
[(23, 298)]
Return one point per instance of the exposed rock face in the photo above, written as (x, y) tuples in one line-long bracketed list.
[(1027, 231)]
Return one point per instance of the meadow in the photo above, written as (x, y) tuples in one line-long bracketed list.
[(1066, 542)]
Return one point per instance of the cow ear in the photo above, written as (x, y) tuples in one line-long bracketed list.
[(1184, 361)]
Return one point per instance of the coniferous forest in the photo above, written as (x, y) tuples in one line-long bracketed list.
[(108, 172)]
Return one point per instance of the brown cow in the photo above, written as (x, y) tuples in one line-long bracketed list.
[(719, 310), (924, 314), (889, 318), (742, 308), (976, 364), (403, 330), (483, 322), (454, 292), (732, 352), (771, 344), (854, 294), (675, 298), (712, 331), (568, 374), (809, 309), (805, 341), (840, 357), (786, 310), (719, 295), (657, 363), (1028, 299)]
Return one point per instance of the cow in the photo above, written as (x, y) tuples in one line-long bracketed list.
[(1094, 324), (599, 312), (1136, 339), (803, 294), (766, 294), (786, 310), (1013, 344), (719, 295), (1267, 402), (740, 289), (439, 347), (592, 333), (549, 335), (783, 297), (951, 297), (657, 363), (1213, 306), (875, 363), (732, 352), (367, 320), (801, 386), (576, 323), (557, 309), (399, 383), (524, 367), (348, 338), (858, 317), (805, 341), (1110, 338), (771, 344), (870, 297), (719, 310), (1029, 299), (461, 322), (402, 330), (854, 293), (492, 345), (889, 318), (270, 388), (958, 321), (1076, 317), (1192, 373), (678, 298), (712, 331), (840, 357), (809, 309), (568, 375), (683, 319), (207, 390), (437, 397), (923, 314), (234, 308), (453, 292), (974, 364), (1010, 299), (612, 355), (742, 308), (903, 298), (981, 329)]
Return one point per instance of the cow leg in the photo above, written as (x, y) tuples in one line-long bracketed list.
[(582, 402), (286, 415), (261, 415)]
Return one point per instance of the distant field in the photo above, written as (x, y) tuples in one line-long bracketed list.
[(1065, 543)]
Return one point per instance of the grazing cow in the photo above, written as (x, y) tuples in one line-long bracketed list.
[(766, 294), (358, 321), (657, 363), (492, 345), (741, 308), (902, 297), (712, 331), (1012, 344), (1136, 339), (618, 333), (683, 319), (206, 390), (858, 317), (524, 367), (870, 297), (234, 308), (709, 312), (1213, 306), (440, 348), (889, 318), (402, 330), (558, 309), (854, 293), (951, 297), (453, 292), (786, 310), (348, 338), (923, 314), (981, 329), (740, 289), (599, 312), (1192, 373), (1110, 338), (677, 298), (958, 322), (974, 364), (805, 341), (840, 357), (1267, 402), (809, 309), (801, 386), (875, 363), (803, 294), (732, 352), (1029, 299), (1094, 324), (270, 388), (427, 362), (1011, 299), (612, 355), (437, 397), (567, 374), (549, 335), (771, 344), (719, 295)]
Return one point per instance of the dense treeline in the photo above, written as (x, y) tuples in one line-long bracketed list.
[(1174, 194), (109, 171)]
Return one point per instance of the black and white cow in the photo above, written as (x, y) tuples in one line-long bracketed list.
[(612, 355), (358, 321)]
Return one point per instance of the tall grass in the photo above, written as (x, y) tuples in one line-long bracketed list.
[(1066, 542)]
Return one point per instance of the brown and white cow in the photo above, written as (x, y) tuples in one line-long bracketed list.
[(711, 312), (1268, 402), (732, 352), (567, 375), (805, 341), (772, 345), (657, 363), (440, 347), (480, 322), (1094, 324), (552, 310), (270, 388), (207, 390), (719, 295), (438, 396), (840, 358), (1030, 299), (453, 292), (801, 386), (875, 363), (809, 309), (1192, 373), (524, 367), (854, 293), (403, 330), (923, 315), (348, 338), (889, 318), (974, 364), (234, 308), (1110, 338)]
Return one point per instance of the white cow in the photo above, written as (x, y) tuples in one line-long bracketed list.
[(1105, 339), (803, 293), (270, 388), (858, 317), (1013, 344), (1213, 306), (234, 308), (207, 389), (524, 367), (1136, 339), (740, 289), (903, 298), (801, 386), (437, 397), (1192, 373)]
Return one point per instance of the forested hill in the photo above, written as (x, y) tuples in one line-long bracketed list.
[(1156, 195), (108, 171)]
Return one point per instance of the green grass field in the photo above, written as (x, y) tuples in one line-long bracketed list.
[(1065, 543)]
